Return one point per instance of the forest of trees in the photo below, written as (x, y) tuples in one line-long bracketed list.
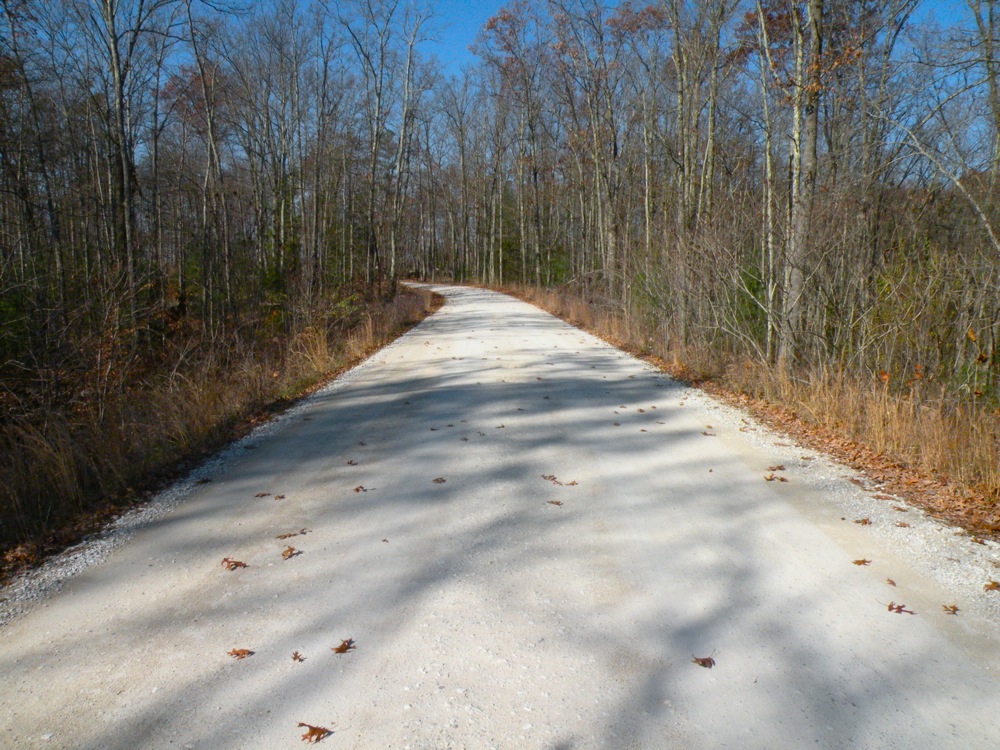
[(808, 183)]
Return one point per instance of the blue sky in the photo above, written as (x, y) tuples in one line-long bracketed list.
[(458, 23)]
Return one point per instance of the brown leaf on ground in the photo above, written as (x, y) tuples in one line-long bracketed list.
[(707, 434), (554, 502), (439, 480), (351, 462), (290, 534), (289, 552), (361, 488), (862, 561), (900, 508), (263, 494), (991, 586), (902, 524), (345, 645), (240, 653), (774, 478), (703, 661), (779, 467), (314, 734), (231, 564), (950, 609), (890, 581), (296, 656), (279, 497), (866, 521), (899, 609)]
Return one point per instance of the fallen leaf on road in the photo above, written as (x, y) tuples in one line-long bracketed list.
[(439, 480), (361, 488), (703, 661), (991, 586), (296, 656), (240, 653), (862, 561), (950, 609), (900, 609), (708, 434), (900, 508), (902, 524), (289, 552), (352, 462), (314, 734), (554, 502), (774, 477), (866, 521), (279, 497), (779, 467), (290, 534), (263, 494), (890, 581), (231, 564), (345, 646)]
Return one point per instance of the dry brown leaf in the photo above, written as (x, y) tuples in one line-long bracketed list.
[(779, 467), (361, 488), (900, 508), (950, 609), (862, 561), (554, 502), (231, 564), (289, 552), (703, 661), (866, 521), (902, 524), (890, 581), (439, 480), (240, 653), (991, 586), (279, 497), (290, 534), (351, 462), (263, 494), (345, 645), (296, 656), (314, 734), (707, 434), (899, 609)]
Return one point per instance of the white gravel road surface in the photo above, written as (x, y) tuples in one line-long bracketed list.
[(485, 615)]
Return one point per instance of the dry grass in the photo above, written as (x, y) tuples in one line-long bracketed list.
[(62, 473), (911, 435)]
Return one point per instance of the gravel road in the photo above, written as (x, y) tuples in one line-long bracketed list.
[(528, 536)]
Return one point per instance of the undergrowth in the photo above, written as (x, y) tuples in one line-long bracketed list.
[(64, 471)]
